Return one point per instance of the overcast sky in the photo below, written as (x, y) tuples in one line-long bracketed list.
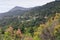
[(6, 5)]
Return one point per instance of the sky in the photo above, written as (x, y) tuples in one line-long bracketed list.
[(6, 5)]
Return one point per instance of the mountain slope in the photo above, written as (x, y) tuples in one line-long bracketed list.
[(14, 12), (31, 16), (45, 10)]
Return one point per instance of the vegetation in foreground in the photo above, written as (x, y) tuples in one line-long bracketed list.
[(39, 23), (48, 31)]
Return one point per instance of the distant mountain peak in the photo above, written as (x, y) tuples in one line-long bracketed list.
[(16, 8)]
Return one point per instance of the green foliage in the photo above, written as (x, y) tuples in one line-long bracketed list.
[(39, 23), (36, 38)]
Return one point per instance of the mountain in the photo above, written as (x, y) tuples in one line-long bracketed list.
[(37, 23), (15, 11), (48, 9), (29, 17), (17, 8)]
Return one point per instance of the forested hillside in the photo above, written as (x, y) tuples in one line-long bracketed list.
[(37, 23)]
